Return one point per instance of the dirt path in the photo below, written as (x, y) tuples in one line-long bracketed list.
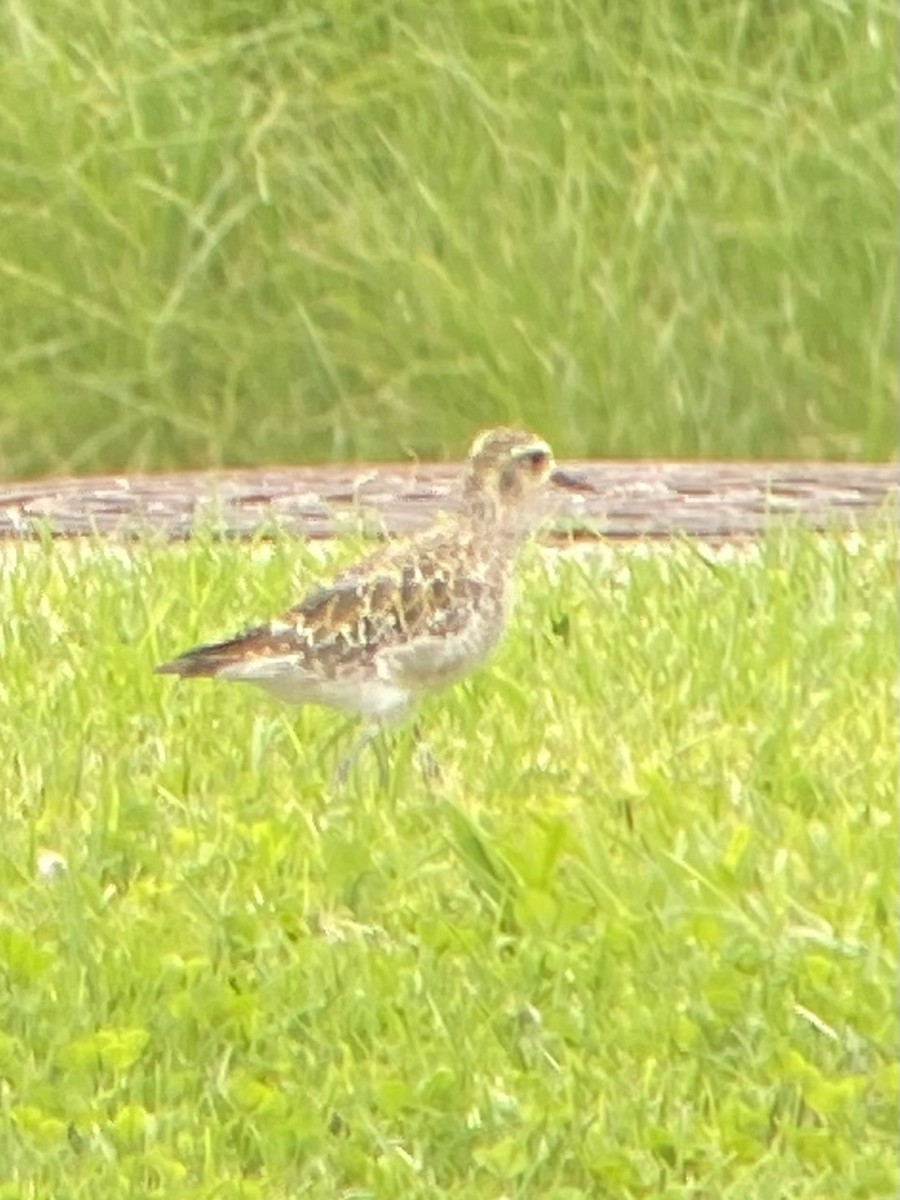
[(632, 499)]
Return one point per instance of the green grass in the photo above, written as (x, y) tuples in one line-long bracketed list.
[(236, 233), (639, 941)]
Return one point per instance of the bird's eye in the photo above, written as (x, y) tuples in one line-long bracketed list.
[(536, 458)]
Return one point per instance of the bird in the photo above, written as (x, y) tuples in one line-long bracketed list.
[(414, 617)]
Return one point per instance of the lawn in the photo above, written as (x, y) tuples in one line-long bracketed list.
[(638, 941), (258, 232)]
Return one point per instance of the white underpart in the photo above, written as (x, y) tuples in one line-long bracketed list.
[(380, 699), (431, 663)]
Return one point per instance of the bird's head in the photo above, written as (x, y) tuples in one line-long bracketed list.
[(509, 467)]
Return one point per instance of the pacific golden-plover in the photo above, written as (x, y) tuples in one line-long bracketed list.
[(418, 615)]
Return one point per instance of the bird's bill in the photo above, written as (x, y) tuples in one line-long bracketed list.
[(572, 481)]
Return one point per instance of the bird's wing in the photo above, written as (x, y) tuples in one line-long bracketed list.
[(350, 621)]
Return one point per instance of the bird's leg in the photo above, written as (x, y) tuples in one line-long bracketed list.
[(382, 748), (374, 734), (349, 761), (431, 768)]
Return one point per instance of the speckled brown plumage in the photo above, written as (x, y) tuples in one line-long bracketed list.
[(412, 618)]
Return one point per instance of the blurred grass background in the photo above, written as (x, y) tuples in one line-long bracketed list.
[(236, 233)]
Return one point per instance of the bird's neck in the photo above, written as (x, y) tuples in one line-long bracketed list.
[(503, 528)]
